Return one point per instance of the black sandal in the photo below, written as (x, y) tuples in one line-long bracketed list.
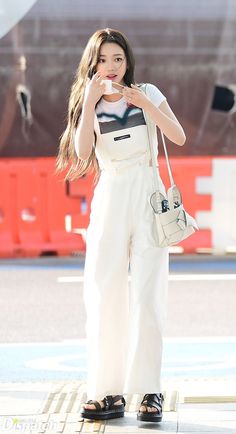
[(109, 411), (151, 400)]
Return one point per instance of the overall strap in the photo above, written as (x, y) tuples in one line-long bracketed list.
[(105, 157)]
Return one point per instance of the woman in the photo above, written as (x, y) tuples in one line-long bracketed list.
[(107, 132)]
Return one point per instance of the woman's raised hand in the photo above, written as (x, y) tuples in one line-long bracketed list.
[(135, 96), (94, 88)]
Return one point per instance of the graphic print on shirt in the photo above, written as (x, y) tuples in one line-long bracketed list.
[(123, 132), (117, 123)]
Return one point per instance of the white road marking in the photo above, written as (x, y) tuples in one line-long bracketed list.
[(70, 279), (82, 341), (172, 277)]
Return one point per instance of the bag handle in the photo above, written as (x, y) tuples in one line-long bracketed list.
[(167, 160), (164, 146)]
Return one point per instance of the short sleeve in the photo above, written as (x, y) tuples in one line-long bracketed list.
[(155, 95)]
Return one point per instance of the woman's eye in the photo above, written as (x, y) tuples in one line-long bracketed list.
[(117, 60)]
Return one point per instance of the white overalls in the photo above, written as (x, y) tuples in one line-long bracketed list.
[(124, 325)]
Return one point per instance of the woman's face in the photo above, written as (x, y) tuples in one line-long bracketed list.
[(112, 63)]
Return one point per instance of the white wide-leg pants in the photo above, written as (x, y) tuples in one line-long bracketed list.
[(124, 324)]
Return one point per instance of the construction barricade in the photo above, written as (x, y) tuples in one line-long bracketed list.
[(41, 214)]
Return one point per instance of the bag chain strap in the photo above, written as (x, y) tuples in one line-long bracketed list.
[(153, 155)]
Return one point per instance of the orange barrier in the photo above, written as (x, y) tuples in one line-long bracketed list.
[(34, 206), (41, 214)]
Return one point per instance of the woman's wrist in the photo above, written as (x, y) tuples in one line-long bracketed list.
[(89, 104), (147, 105)]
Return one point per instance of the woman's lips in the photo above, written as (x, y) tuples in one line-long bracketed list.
[(111, 77)]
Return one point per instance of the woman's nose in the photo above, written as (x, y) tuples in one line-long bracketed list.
[(111, 66)]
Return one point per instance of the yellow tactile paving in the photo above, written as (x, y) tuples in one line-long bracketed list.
[(69, 399), (204, 390)]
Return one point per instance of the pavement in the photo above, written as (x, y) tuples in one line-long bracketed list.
[(207, 406), (199, 384)]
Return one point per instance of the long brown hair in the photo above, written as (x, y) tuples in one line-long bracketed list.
[(86, 69)]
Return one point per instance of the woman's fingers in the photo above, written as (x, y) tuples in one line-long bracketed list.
[(132, 90), (101, 84), (128, 93), (135, 87), (134, 96), (99, 77), (119, 87), (96, 76), (94, 87)]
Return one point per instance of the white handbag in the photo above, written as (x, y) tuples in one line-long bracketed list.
[(173, 223)]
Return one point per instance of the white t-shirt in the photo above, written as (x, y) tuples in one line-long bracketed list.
[(119, 111), (123, 131)]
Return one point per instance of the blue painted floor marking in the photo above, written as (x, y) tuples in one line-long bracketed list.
[(68, 361)]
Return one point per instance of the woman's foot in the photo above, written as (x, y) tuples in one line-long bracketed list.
[(92, 406), (151, 407), (110, 407), (146, 408)]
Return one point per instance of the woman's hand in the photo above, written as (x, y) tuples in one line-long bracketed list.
[(134, 96), (94, 88)]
